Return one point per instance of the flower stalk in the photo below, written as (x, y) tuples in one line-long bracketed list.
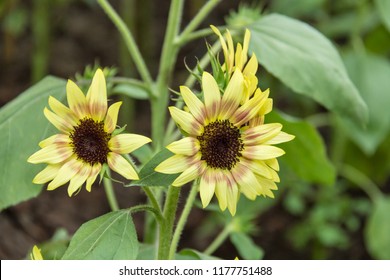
[(183, 220)]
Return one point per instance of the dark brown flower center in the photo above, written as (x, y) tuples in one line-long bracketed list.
[(90, 141), (221, 144)]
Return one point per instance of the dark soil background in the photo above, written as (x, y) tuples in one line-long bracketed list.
[(82, 34)]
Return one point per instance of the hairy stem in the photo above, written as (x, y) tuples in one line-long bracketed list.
[(183, 220), (129, 41), (166, 228)]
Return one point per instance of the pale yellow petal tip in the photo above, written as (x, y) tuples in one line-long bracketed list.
[(236, 259), (31, 159), (215, 29), (36, 254), (99, 74), (177, 185)]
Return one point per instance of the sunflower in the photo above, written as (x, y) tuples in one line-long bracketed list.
[(223, 148), (86, 140)]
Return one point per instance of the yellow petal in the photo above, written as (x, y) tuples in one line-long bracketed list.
[(232, 196), (185, 121), (36, 254), (47, 174), (221, 193), (190, 174), (266, 107), (223, 43), (97, 96), (173, 165), (232, 96), (258, 167), (273, 163), (238, 58), (187, 146), (230, 59), (267, 185), (249, 186), (62, 111), (78, 179), (206, 188), (193, 103), (281, 137), (120, 165), (249, 109), (212, 96), (54, 153), (245, 47), (112, 117), (126, 143), (251, 66), (262, 152), (95, 170), (76, 100), (261, 134), (60, 123), (56, 138), (66, 172)]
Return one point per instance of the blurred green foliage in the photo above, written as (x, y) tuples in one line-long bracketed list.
[(335, 175)]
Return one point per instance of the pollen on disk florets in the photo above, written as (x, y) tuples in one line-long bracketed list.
[(90, 141), (221, 144)]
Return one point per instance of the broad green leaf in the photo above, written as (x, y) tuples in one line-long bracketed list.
[(22, 127), (190, 254), (306, 154), (308, 63), (371, 75), (300, 8), (383, 7), (108, 237), (147, 251), (149, 177), (377, 230), (131, 90), (245, 246)]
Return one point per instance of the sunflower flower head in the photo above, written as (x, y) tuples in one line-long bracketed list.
[(227, 148), (86, 140)]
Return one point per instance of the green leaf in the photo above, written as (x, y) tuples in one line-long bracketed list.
[(22, 127), (383, 7), (306, 154), (371, 75), (300, 8), (150, 178), (308, 63), (131, 90), (147, 252), (245, 246), (190, 254), (377, 230), (108, 237)]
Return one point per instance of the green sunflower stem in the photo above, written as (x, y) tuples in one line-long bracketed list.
[(109, 189), (183, 220), (166, 228), (196, 21), (168, 59), (129, 41), (219, 240)]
